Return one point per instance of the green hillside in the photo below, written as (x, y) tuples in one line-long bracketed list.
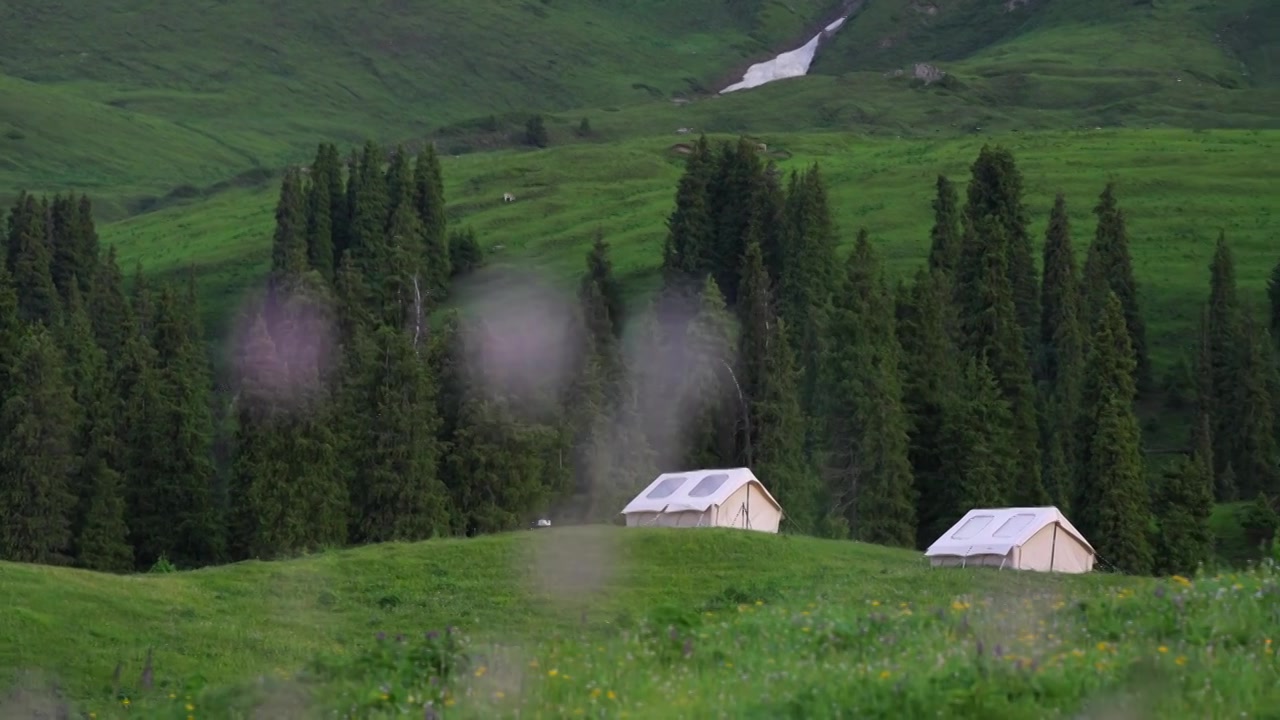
[(1178, 187), (643, 623), (108, 97)]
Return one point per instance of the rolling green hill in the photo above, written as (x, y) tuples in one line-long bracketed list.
[(1178, 187), (113, 97), (639, 623)]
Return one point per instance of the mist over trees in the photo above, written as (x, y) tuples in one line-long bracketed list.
[(358, 410)]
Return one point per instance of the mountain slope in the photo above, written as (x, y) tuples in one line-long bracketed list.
[(240, 83)]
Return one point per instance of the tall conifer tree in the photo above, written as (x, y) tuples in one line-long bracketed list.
[(1112, 501), (37, 457), (869, 468), (1110, 266)]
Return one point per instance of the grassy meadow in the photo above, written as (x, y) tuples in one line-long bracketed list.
[(1178, 187), (606, 622)]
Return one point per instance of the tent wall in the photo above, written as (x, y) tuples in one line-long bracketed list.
[(972, 561), (733, 512), (688, 518), (1054, 549)]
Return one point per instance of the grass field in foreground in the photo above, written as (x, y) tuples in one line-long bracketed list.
[(607, 622), (1178, 188)]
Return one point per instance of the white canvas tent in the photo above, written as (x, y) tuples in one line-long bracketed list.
[(1037, 538), (731, 497)]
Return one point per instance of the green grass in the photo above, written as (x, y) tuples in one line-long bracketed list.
[(138, 104), (1178, 187), (672, 623), (106, 96)]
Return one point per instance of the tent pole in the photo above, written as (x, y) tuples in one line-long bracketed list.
[(1053, 549)]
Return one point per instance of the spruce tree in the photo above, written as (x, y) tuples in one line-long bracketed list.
[(109, 309), (773, 440), (710, 386), (502, 467), (370, 208), (869, 466), (977, 445), (1062, 355), (600, 274), (325, 171), (30, 256), (1224, 350), (989, 331), (736, 193), (1112, 504), (995, 192), (930, 375), (944, 247), (100, 528), (172, 508), (75, 244), (1110, 266), (428, 199), (37, 457), (688, 252), (1182, 505), (289, 245), (11, 331), (805, 285), (1252, 441), (397, 492)]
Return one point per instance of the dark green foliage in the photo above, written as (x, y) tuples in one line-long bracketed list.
[(995, 194), (324, 182), (600, 274), (500, 469), (289, 245), (709, 384), (737, 200), (535, 132), (944, 248), (10, 332), (29, 260), (926, 331), (172, 510), (1183, 504), (868, 467), (990, 332), (688, 251), (75, 243), (977, 445), (773, 442), (37, 458), (1109, 265), (806, 282), (465, 254), (428, 199), (101, 530), (396, 491), (109, 309), (370, 208), (1252, 441), (1061, 357), (1112, 504), (288, 491)]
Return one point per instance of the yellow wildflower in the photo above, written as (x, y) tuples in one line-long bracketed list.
[(553, 672), (885, 674), (1181, 660), (1163, 649), (611, 695)]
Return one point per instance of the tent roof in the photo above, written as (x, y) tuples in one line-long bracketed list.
[(694, 490), (996, 531)]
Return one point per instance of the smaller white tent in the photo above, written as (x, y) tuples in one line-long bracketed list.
[(1037, 538), (731, 497)]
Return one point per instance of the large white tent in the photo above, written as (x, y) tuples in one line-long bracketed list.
[(1036, 538), (731, 497)]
